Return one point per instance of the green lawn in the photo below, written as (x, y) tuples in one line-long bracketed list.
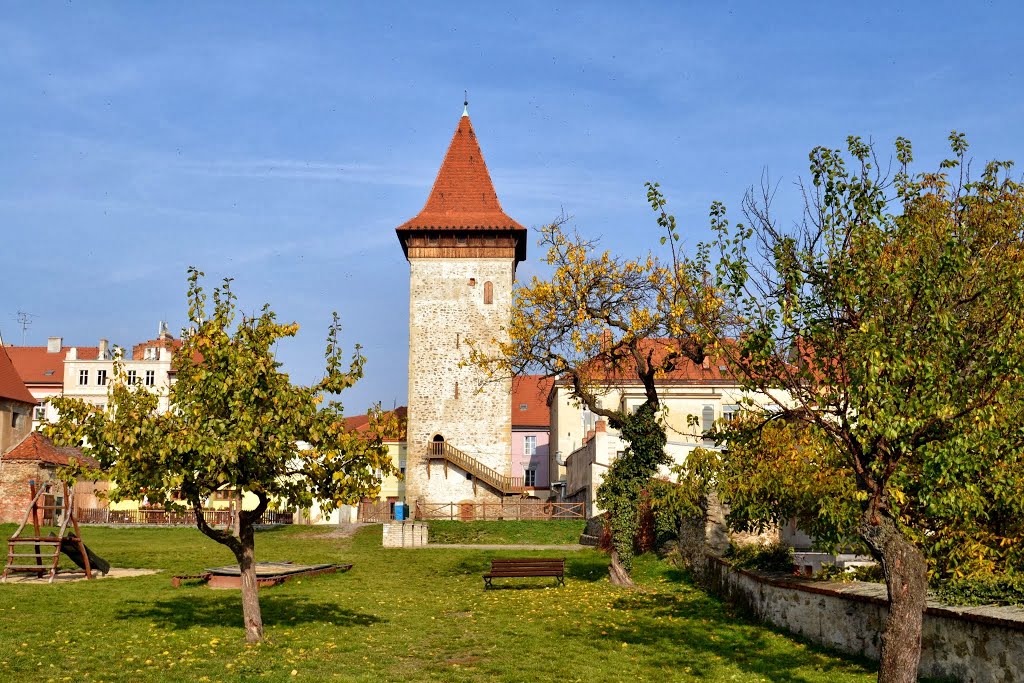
[(560, 532), (417, 615)]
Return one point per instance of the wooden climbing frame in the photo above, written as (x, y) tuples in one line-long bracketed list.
[(19, 561)]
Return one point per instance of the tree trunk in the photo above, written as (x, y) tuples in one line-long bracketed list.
[(243, 544), (251, 615), (905, 572), (617, 574)]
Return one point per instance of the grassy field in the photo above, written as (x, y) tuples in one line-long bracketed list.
[(398, 615), (561, 532)]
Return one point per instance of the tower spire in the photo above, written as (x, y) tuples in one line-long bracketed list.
[(465, 103)]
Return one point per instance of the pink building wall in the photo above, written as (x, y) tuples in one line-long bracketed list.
[(539, 460)]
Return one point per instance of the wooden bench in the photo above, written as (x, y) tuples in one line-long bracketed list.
[(525, 567)]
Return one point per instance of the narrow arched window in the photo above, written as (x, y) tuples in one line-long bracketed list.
[(488, 292), (707, 419)]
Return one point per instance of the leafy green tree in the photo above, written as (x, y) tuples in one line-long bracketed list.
[(600, 319), (236, 422), (888, 322)]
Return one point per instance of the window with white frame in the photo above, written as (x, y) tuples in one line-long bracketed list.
[(133, 377), (530, 476), (83, 377), (530, 446), (150, 377), (730, 412), (39, 412), (101, 377)]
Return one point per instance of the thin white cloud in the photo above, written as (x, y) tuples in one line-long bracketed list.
[(298, 169)]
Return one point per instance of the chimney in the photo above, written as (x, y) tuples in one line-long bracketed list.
[(600, 426), (73, 353), (103, 350), (53, 344)]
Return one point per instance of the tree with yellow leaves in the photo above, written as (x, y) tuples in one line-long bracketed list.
[(600, 317), (237, 423), (891, 317)]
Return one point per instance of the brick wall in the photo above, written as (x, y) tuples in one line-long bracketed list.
[(14, 492)]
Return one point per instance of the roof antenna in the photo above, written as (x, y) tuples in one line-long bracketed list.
[(465, 103), (25, 320)]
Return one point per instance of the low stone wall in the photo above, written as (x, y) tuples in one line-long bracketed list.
[(971, 644), (405, 534)]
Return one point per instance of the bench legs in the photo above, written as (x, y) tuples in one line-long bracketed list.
[(559, 581)]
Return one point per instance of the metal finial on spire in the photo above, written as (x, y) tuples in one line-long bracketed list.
[(465, 103)]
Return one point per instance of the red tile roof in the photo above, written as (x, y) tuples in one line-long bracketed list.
[(37, 366), (714, 369), (532, 392), (463, 196), (12, 387), (361, 423), (37, 447)]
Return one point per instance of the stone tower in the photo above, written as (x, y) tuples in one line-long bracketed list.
[(463, 251)]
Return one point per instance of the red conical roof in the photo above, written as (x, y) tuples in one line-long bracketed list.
[(463, 197)]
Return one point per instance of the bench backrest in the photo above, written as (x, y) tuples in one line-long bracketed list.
[(527, 563)]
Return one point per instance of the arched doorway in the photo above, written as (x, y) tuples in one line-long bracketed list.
[(437, 444)]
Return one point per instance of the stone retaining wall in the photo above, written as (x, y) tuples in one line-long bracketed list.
[(971, 644)]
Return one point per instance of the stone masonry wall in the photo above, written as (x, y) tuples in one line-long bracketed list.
[(969, 644), (446, 307)]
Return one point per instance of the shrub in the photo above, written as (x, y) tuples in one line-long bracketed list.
[(770, 557), (1004, 589), (832, 572), (871, 573)]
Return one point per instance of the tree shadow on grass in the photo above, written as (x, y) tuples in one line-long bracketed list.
[(718, 636), (470, 565), (587, 568), (194, 609), (523, 583)]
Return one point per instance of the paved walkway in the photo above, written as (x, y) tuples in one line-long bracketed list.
[(494, 546)]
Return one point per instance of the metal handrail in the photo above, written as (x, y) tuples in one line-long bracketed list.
[(442, 449)]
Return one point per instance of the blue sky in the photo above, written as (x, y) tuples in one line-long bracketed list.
[(281, 143)]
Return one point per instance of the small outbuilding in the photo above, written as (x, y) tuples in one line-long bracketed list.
[(36, 458)]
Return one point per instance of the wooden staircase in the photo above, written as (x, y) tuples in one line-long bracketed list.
[(442, 450), (46, 548)]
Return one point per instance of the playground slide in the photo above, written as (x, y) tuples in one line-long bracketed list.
[(96, 563)]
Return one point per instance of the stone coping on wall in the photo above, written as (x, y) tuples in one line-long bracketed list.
[(875, 593)]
